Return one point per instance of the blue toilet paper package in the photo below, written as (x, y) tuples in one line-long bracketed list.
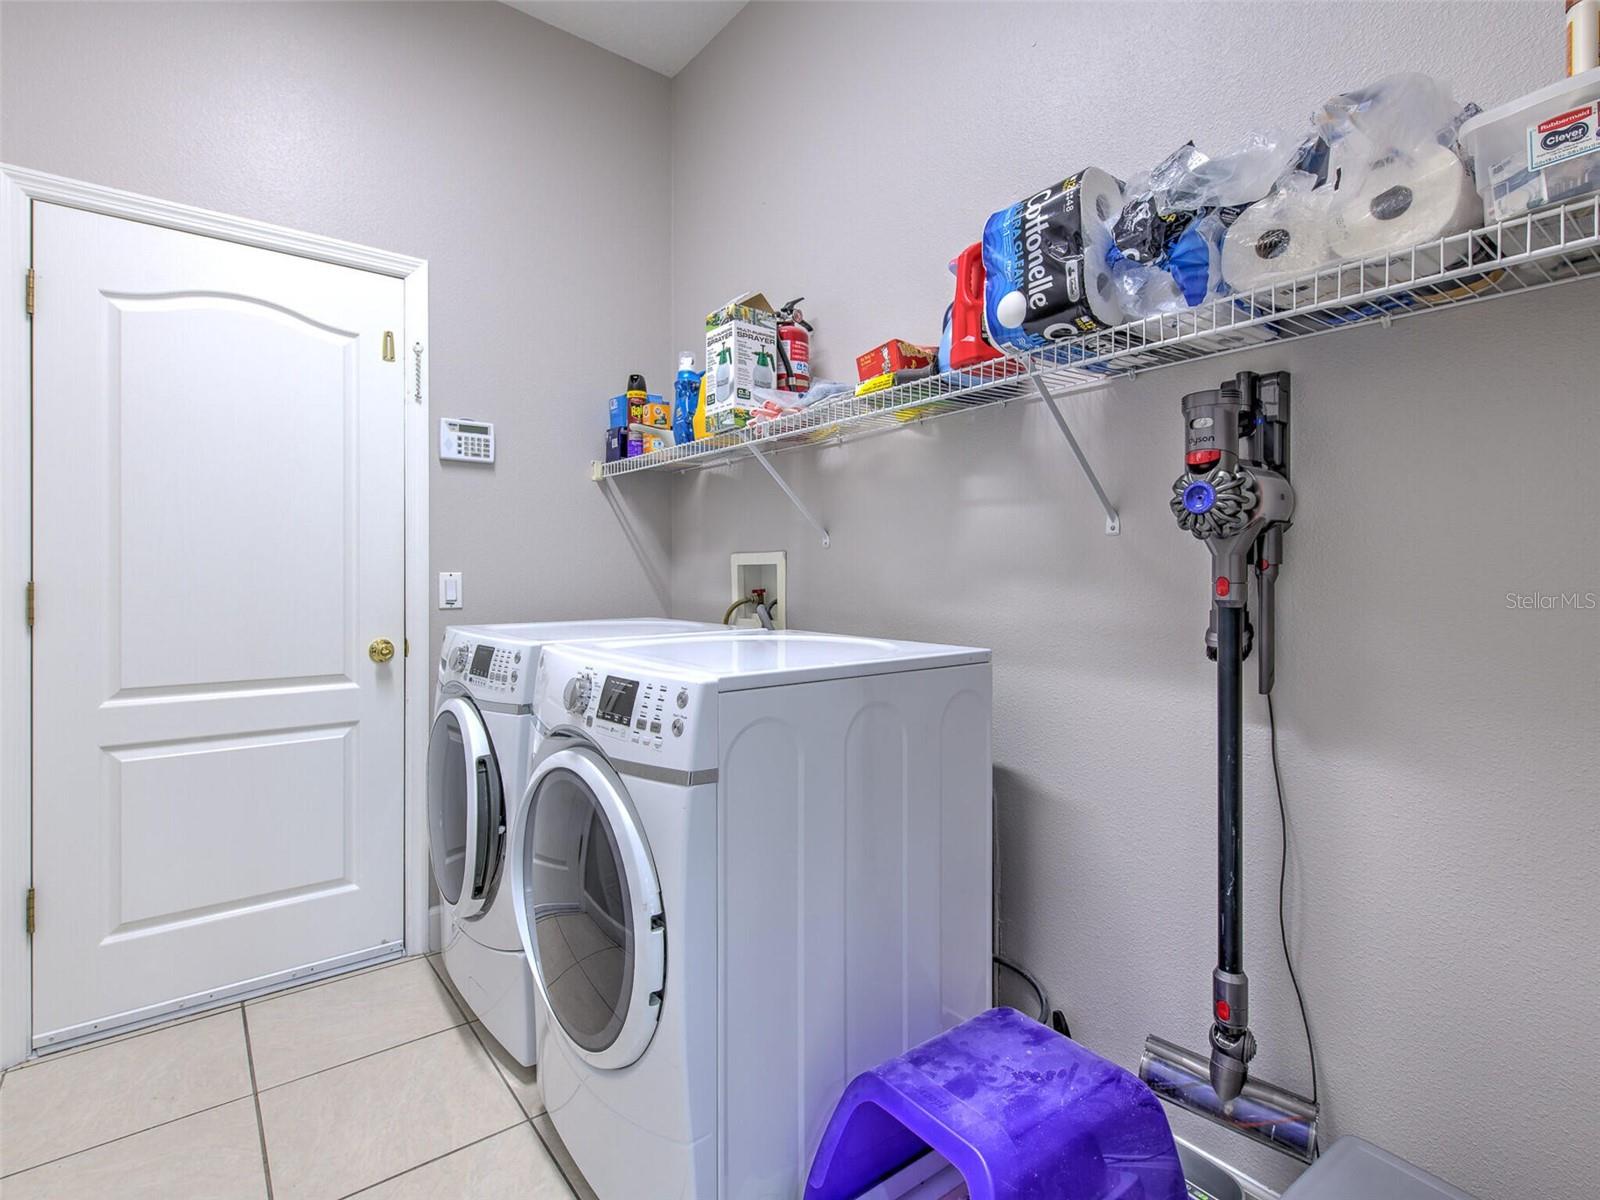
[(1046, 263)]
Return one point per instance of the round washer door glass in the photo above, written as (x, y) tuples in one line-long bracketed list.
[(591, 909), (463, 804)]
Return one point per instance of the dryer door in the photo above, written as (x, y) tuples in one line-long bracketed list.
[(589, 906), (466, 813)]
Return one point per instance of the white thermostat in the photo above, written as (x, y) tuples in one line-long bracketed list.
[(466, 440)]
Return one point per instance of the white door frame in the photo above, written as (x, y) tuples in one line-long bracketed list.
[(19, 187)]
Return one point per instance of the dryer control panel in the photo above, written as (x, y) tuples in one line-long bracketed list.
[(497, 671)]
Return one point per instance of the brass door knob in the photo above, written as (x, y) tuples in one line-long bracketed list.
[(381, 650)]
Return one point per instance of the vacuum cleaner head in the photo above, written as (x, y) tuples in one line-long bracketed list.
[(1264, 1113)]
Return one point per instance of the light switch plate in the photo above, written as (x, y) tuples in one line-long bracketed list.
[(449, 589)]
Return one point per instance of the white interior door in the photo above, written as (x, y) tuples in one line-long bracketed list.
[(218, 537)]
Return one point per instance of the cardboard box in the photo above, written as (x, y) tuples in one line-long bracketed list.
[(741, 355), (894, 356)]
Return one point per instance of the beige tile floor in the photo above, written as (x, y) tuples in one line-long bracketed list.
[(375, 1084)]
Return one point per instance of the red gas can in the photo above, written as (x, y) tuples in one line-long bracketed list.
[(967, 344)]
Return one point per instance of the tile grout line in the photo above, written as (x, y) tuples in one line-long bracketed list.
[(532, 1118), (472, 1028), (170, 1120), (556, 1158), (449, 988), (363, 1057), (124, 1137), (255, 1096), (340, 977), (254, 1093), (367, 1187), (489, 1054)]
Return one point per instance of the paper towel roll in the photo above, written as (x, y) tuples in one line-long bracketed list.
[(1403, 201), (1281, 238)]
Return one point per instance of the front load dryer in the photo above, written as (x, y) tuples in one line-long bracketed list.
[(746, 867), (483, 735)]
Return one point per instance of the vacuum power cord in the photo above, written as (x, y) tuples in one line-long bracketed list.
[(1283, 876)]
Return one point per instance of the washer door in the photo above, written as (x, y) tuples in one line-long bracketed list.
[(466, 811), (589, 906)]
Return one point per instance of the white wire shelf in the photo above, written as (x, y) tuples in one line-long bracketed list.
[(1541, 249)]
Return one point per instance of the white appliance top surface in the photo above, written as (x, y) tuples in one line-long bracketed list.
[(539, 632), (752, 658)]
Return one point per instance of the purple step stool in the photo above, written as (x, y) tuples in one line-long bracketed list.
[(1022, 1112)]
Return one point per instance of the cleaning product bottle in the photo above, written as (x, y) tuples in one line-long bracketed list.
[(700, 407), (723, 387), (638, 396), (762, 376), (685, 396)]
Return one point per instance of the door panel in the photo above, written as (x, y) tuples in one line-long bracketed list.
[(180, 854), (272, 567), (219, 533)]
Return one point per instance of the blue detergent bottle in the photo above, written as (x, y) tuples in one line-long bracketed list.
[(685, 398)]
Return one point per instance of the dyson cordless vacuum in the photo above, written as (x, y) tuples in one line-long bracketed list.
[(1235, 496)]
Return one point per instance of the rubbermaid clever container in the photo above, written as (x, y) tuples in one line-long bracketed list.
[(1542, 149)]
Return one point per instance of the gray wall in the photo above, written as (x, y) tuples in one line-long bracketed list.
[(1439, 750), (528, 167)]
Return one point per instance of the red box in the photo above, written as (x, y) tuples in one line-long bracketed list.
[(895, 356)]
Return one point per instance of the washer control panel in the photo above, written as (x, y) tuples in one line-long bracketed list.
[(651, 713)]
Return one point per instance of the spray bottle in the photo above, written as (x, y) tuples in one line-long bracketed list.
[(685, 399), (638, 396), (762, 376)]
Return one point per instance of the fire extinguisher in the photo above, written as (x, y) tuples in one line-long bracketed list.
[(794, 348)]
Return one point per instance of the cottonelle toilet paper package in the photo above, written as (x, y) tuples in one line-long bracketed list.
[(1045, 262)]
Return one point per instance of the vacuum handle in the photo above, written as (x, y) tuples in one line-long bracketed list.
[(1269, 557)]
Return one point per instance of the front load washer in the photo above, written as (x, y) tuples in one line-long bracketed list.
[(478, 752), (746, 867)]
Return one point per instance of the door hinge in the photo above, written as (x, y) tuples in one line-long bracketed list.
[(29, 604), (388, 341), (33, 285), (33, 912)]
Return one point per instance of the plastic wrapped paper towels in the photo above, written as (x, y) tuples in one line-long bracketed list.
[(1406, 199), (1394, 182), (1281, 238)]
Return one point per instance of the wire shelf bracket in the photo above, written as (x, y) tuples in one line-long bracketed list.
[(788, 491), (1113, 522)]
